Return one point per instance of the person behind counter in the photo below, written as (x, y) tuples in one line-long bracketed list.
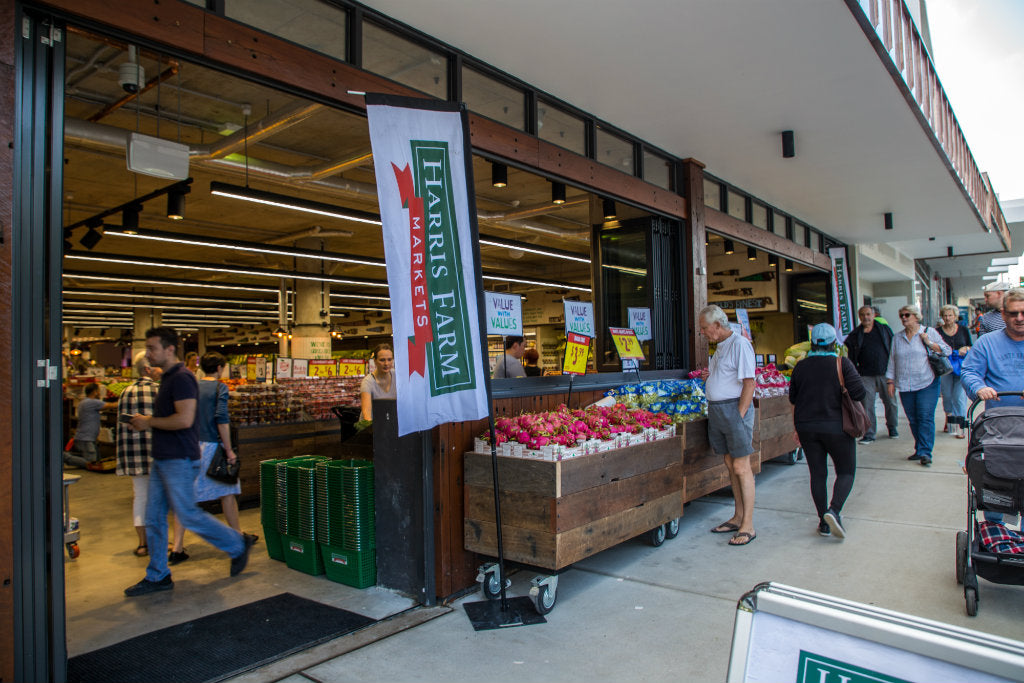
[(381, 382), (88, 430), (530, 358), (510, 364)]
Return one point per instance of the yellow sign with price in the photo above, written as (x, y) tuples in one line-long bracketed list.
[(577, 350), (323, 368), (351, 368), (626, 343)]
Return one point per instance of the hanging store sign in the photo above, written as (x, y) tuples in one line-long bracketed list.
[(504, 314), (640, 322), (577, 350), (421, 158), (348, 367), (579, 317), (844, 314), (744, 303)]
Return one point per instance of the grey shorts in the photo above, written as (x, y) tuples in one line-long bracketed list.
[(729, 433)]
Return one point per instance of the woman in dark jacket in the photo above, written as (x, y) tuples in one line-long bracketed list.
[(817, 413)]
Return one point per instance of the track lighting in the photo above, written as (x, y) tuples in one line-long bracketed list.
[(176, 203), (279, 332), (91, 238), (608, 206), (751, 254), (499, 175), (789, 266), (773, 260), (130, 217), (729, 248), (557, 193)]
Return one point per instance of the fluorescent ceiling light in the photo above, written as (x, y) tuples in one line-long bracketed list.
[(541, 283), (626, 269), (529, 248), (72, 275), (168, 297), (989, 277), (1006, 261), (294, 203), (335, 295), (174, 307), (191, 240), (360, 308), (998, 269)]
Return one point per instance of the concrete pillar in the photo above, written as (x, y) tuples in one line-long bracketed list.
[(143, 319), (311, 331)]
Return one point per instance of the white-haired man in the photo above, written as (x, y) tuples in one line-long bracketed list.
[(730, 392)]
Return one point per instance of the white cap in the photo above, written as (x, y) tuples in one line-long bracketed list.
[(1000, 286)]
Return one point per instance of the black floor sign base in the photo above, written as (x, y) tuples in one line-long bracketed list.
[(487, 615)]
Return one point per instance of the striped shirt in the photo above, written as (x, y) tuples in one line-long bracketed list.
[(991, 322), (133, 448), (908, 359)]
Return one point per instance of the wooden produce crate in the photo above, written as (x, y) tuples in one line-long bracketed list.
[(774, 434), (704, 471), (557, 513)]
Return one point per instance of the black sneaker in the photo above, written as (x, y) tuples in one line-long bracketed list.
[(866, 440), (238, 563), (915, 456), (926, 462), (835, 524), (893, 434), (823, 529), (176, 558), (145, 587)]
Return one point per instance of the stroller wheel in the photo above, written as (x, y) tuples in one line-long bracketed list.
[(961, 556), (971, 597)]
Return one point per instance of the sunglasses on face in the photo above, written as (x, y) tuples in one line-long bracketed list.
[(1014, 314), (906, 315)]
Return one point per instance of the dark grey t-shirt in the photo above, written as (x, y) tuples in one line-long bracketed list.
[(89, 419)]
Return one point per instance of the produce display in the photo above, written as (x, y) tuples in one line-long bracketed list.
[(768, 382), (682, 400), (291, 400), (319, 394), (563, 433), (797, 352)]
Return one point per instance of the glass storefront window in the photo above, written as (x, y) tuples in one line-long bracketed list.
[(311, 23), (814, 240), (759, 215), (800, 234), (560, 128), (712, 195), (657, 170), (779, 223), (493, 99), (623, 277), (737, 205), (614, 151), (404, 61)]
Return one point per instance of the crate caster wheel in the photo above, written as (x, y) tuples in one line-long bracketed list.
[(543, 593), (489, 578), (672, 528), (73, 551), (657, 535)]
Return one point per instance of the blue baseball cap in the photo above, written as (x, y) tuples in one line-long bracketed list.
[(823, 334)]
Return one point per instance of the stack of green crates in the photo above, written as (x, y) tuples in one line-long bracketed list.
[(273, 501), (296, 517), (345, 521)]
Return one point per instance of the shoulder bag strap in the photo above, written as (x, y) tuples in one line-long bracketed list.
[(839, 371)]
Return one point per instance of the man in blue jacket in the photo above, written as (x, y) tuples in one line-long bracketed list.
[(996, 361), (868, 347)]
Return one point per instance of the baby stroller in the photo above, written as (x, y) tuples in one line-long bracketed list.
[(995, 472)]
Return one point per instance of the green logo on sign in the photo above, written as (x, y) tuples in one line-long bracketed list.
[(451, 356), (817, 669)]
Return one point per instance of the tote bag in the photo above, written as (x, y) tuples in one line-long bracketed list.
[(855, 420)]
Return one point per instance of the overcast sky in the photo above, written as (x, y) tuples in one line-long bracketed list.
[(979, 55)]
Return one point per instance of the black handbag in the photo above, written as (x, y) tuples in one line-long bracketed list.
[(221, 470), (939, 364)]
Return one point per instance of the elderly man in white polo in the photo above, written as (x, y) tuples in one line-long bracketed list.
[(729, 387)]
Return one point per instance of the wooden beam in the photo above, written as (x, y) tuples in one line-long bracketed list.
[(697, 255), (728, 226)]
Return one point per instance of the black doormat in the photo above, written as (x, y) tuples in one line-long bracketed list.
[(217, 646)]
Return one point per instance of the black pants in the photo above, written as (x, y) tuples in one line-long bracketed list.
[(843, 451)]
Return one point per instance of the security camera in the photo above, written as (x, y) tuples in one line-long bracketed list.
[(131, 76)]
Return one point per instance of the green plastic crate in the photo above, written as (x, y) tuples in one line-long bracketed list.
[(302, 555), (356, 568), (274, 543)]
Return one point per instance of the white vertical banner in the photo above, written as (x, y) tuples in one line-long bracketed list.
[(420, 157), (844, 313)]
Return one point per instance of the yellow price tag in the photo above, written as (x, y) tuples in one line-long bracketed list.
[(626, 343), (323, 368), (577, 350), (351, 368)]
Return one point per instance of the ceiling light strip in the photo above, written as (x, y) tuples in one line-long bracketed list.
[(540, 283), (73, 275), (529, 248), (169, 297), (294, 203)]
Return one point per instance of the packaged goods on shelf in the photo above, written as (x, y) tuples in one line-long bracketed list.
[(768, 382), (682, 400), (254, 404), (319, 394)]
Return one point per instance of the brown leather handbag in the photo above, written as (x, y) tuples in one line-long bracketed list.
[(856, 422)]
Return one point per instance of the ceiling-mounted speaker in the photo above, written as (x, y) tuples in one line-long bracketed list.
[(788, 145), (156, 157)]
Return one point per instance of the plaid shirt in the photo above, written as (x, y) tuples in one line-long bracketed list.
[(997, 538), (133, 448)]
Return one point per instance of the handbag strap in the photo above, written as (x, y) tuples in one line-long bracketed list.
[(839, 371)]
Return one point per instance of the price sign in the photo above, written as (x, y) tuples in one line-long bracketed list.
[(351, 368), (626, 343), (284, 368), (577, 350), (250, 368), (640, 322), (323, 368), (504, 314), (300, 367), (579, 317)]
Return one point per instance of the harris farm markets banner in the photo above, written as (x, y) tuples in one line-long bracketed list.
[(420, 158)]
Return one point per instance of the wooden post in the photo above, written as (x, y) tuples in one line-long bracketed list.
[(697, 274)]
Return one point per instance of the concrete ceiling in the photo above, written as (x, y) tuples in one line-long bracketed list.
[(719, 81)]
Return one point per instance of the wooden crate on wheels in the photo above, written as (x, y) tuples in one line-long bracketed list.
[(704, 471), (557, 513), (774, 434)]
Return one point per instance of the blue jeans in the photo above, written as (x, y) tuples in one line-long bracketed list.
[(920, 409), (954, 399), (172, 487)]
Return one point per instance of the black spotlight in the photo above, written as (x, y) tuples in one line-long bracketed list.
[(751, 254), (773, 260), (608, 206), (91, 238), (789, 266), (176, 204), (499, 175), (557, 193), (788, 145), (130, 217), (729, 248)]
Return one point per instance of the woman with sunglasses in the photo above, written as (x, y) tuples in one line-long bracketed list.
[(910, 373)]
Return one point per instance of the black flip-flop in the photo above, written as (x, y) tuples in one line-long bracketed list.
[(144, 549), (725, 528), (750, 537)]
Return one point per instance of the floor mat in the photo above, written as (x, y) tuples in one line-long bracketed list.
[(217, 646)]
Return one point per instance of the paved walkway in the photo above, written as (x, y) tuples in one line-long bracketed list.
[(638, 613)]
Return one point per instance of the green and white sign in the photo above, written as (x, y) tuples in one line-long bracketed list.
[(504, 314), (579, 318)]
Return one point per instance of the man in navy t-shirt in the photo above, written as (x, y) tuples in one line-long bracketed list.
[(175, 451)]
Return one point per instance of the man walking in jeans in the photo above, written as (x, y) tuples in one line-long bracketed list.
[(175, 451), (868, 347)]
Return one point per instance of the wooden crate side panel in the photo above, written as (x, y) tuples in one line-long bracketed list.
[(696, 434), (579, 474), (703, 482), (583, 507), (699, 458), (520, 545), (514, 474), (773, 406), (524, 509)]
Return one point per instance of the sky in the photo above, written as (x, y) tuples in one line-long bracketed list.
[(978, 50)]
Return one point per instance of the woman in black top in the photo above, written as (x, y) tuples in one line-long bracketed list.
[(818, 416), (954, 400)]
